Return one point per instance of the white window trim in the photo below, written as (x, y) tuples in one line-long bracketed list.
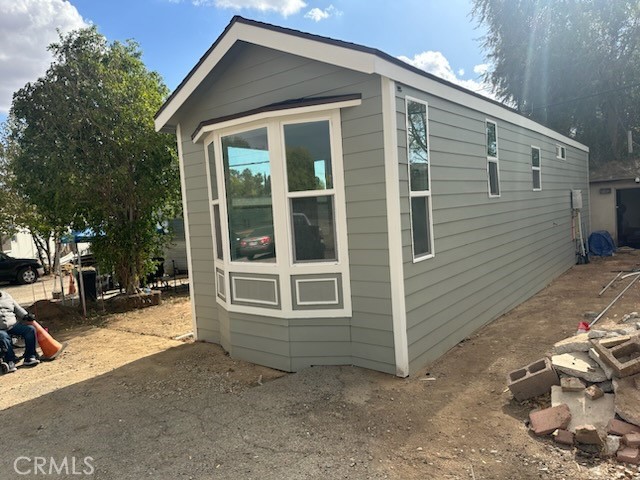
[(561, 152), (334, 280), (420, 193), (284, 267), (491, 159), (538, 168)]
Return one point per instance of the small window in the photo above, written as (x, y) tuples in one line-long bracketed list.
[(419, 179), (493, 171), (535, 169), (561, 152)]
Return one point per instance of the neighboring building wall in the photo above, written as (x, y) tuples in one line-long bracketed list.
[(175, 254), (603, 205), (20, 245), (249, 77), (490, 253)]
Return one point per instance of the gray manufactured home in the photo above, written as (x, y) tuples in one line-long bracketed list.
[(342, 207)]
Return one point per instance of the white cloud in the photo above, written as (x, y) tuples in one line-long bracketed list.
[(27, 27), (481, 69), (461, 72), (437, 64), (317, 14), (283, 7)]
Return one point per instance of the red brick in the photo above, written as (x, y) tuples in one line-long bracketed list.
[(564, 437), (544, 422), (629, 455), (620, 428), (631, 439)]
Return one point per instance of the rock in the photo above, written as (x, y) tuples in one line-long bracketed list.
[(606, 387), (584, 411), (620, 428), (611, 446), (627, 404), (595, 356), (578, 364), (588, 435), (629, 455), (563, 437), (545, 421), (632, 330), (629, 317), (597, 334), (593, 392), (577, 343), (572, 384)]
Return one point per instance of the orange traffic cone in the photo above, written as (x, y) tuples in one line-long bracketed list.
[(50, 347), (72, 285)]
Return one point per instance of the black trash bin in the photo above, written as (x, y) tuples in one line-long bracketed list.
[(89, 279)]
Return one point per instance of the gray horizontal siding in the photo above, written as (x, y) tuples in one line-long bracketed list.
[(490, 253), (251, 76)]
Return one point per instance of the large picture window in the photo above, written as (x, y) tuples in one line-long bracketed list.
[(419, 179), (493, 171)]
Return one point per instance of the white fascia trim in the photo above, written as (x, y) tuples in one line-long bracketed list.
[(187, 237), (433, 87), (274, 114), (394, 227)]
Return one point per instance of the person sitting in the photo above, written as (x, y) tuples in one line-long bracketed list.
[(11, 317)]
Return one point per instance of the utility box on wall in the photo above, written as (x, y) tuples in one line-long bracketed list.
[(576, 199)]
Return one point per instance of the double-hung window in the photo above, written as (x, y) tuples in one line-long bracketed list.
[(493, 171), (535, 169), (419, 179)]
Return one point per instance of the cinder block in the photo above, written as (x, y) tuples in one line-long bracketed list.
[(624, 359), (620, 428), (613, 341), (629, 455), (631, 439), (544, 422), (532, 380)]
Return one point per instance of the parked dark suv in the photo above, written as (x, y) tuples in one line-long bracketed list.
[(20, 270)]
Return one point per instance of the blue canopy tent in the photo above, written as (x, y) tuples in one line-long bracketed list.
[(73, 238)]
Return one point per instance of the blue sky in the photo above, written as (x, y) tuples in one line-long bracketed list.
[(436, 35)]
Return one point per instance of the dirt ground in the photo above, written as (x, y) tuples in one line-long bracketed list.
[(131, 402)]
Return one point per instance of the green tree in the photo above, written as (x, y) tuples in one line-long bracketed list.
[(87, 154), (571, 64)]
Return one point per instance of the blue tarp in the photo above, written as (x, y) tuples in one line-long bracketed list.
[(601, 244)]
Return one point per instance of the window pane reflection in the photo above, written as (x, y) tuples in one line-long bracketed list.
[(248, 183), (313, 228), (308, 147), (418, 148), (420, 226)]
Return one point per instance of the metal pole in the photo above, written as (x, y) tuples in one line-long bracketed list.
[(609, 284), (614, 301)]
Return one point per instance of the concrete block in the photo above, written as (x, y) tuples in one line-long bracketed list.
[(532, 380), (563, 437), (627, 402), (593, 392), (588, 434), (611, 446), (623, 358), (631, 439), (629, 455), (613, 341), (620, 428), (572, 384), (608, 371), (577, 343), (544, 422), (594, 334), (578, 364), (584, 411)]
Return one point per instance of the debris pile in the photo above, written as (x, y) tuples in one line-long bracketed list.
[(594, 381)]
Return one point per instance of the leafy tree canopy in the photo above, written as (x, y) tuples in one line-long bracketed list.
[(85, 151), (571, 64)]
